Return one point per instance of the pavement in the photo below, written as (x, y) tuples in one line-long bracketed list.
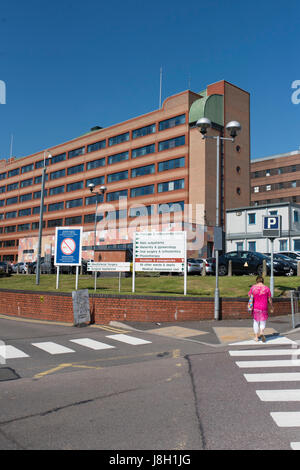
[(217, 332)]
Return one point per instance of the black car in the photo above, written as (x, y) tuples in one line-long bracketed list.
[(5, 267), (292, 263), (249, 262)]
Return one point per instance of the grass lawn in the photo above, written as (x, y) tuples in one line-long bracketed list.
[(235, 286)]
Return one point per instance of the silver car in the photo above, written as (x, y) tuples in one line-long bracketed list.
[(20, 268), (193, 266)]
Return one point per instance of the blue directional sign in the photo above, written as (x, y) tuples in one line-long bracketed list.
[(271, 225), (68, 246)]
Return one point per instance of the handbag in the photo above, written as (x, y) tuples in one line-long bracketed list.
[(250, 304)]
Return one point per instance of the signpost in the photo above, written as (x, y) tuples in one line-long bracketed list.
[(68, 243), (109, 267), (160, 252), (271, 230)]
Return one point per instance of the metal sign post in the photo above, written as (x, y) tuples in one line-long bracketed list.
[(271, 230), (68, 245)]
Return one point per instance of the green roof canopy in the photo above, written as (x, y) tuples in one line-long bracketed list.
[(211, 107)]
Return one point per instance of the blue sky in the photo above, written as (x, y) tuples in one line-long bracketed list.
[(69, 66)]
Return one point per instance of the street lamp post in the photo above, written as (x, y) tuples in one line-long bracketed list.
[(97, 193), (38, 262), (233, 127)]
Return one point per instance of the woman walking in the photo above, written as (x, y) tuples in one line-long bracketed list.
[(261, 296)]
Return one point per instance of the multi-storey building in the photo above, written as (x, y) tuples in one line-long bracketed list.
[(276, 179), (158, 162)]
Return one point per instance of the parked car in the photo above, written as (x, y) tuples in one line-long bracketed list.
[(20, 267), (48, 267), (291, 254), (207, 263), (290, 261), (281, 266), (194, 266), (5, 267)]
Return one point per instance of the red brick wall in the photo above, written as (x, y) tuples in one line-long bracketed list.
[(59, 307)]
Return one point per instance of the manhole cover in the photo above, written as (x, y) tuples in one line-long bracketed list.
[(6, 373)]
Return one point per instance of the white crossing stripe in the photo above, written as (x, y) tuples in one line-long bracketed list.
[(53, 348), (283, 363), (270, 377), (265, 352), (286, 419), (295, 445), (279, 395), (91, 343), (10, 352), (269, 341), (128, 339)]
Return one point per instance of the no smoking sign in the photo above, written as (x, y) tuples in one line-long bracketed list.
[(68, 246)]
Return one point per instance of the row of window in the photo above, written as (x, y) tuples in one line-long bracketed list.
[(275, 171), (283, 245), (144, 170), (276, 186), (125, 137), (90, 218), (111, 196)]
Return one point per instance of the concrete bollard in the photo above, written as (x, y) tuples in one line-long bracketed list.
[(230, 268), (203, 270), (298, 268)]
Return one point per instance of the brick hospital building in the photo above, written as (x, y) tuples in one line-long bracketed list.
[(157, 161)]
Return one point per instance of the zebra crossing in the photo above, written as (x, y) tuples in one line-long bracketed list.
[(54, 348), (260, 358)]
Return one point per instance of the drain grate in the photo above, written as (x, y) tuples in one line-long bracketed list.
[(6, 373)]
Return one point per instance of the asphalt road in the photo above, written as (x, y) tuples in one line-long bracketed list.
[(160, 394)]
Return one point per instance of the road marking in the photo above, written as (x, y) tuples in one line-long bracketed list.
[(91, 343), (270, 377), (265, 352), (128, 339), (10, 352), (283, 363), (269, 341), (52, 348), (295, 445), (109, 328), (279, 395), (286, 419), (50, 371)]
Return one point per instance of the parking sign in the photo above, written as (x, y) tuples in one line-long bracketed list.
[(271, 226), (68, 246)]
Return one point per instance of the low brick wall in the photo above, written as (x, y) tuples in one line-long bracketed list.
[(105, 308)]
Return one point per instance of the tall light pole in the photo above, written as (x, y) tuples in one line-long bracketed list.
[(38, 262), (97, 193), (233, 127)]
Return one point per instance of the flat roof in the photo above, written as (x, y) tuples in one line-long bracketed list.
[(279, 155), (264, 206)]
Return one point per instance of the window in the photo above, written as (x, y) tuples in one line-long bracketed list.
[(256, 189), (96, 146), (11, 215), (74, 203), (118, 139), (142, 171), (25, 183), (239, 246), (273, 212), (40, 163), (7, 243), (14, 172), (57, 174), (140, 152), (75, 169), (171, 164), (171, 207), (95, 164), (56, 206), (252, 218), (26, 197), (1, 202), (172, 122), (2, 176), (151, 129), (170, 186), (12, 186), (38, 179), (283, 245), (118, 157), (27, 168), (140, 211), (121, 175), (171, 143), (96, 181), (55, 223), (58, 158), (75, 186), (76, 152), (296, 244), (11, 200), (251, 246), (10, 229), (2, 189), (268, 172), (37, 194), (115, 195), (293, 184), (142, 191), (73, 220), (296, 216), (23, 227), (56, 190), (23, 212)]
